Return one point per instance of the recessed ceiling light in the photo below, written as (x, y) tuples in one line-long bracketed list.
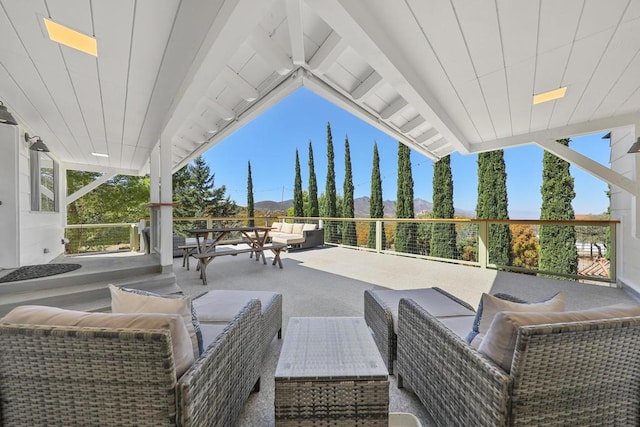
[(99, 154), (72, 38), (549, 96)]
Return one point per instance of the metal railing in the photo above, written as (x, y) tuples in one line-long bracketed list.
[(96, 238), (461, 241), (472, 242)]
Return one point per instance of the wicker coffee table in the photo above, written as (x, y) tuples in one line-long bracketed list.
[(330, 373)]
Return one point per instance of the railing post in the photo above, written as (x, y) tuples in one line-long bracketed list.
[(483, 236), (132, 238), (613, 233), (379, 236), (209, 223), (320, 223)]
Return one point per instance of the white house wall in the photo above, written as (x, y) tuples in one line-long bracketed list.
[(622, 208), (25, 234)]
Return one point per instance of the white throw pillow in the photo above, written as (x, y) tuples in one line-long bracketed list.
[(52, 316), (131, 302), (500, 340), (286, 228)]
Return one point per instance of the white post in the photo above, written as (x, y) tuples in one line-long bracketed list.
[(166, 206), (483, 235), (379, 231), (154, 196)]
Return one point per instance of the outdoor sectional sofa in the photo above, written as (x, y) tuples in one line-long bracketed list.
[(80, 375), (297, 235), (561, 371)]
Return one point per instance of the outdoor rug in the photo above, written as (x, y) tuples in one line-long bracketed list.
[(35, 271)]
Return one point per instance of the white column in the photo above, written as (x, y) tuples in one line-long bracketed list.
[(166, 207), (154, 196)]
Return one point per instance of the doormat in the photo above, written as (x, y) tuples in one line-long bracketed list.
[(35, 271)]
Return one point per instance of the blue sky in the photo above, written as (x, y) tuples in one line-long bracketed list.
[(269, 143)]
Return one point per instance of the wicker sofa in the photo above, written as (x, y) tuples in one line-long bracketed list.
[(297, 235), (572, 373), (70, 375)]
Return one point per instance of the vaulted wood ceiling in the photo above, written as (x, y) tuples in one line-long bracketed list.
[(438, 75)]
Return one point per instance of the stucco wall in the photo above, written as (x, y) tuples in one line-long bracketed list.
[(623, 208)]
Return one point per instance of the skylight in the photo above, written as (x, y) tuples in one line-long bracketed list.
[(71, 38)]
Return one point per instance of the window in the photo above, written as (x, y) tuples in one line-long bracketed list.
[(44, 183)]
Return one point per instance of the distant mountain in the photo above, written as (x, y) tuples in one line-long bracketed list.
[(361, 207)]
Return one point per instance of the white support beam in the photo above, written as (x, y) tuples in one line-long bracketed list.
[(296, 32), (270, 51), (394, 108), (244, 89), (317, 85), (412, 124), (430, 133), (590, 166), (370, 84), (226, 36), (166, 208), (353, 21), (101, 169), (90, 187), (327, 54), (576, 129), (225, 112)]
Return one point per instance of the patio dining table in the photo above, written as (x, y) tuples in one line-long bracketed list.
[(254, 236)]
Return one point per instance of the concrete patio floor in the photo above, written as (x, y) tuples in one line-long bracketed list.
[(330, 281)]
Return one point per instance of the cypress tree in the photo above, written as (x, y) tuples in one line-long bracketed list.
[(558, 252), (406, 232), (376, 206), (493, 204), (298, 201), (443, 237), (313, 187), (348, 228), (250, 205), (331, 233)]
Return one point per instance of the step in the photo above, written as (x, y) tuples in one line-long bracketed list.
[(92, 296)]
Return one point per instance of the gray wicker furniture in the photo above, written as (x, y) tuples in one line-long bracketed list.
[(330, 373), (381, 314), (218, 307), (66, 376), (578, 373)]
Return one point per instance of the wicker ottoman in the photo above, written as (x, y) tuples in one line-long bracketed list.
[(218, 307), (381, 314)]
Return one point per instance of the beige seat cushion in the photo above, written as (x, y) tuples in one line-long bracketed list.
[(500, 340), (286, 228), (297, 228), (51, 316), (276, 226), (309, 227), (221, 306), (288, 239), (210, 332)]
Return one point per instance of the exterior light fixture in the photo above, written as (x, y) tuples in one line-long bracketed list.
[(5, 115), (549, 96), (36, 143), (635, 147)]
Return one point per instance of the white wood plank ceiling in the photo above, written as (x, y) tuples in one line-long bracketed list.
[(438, 75)]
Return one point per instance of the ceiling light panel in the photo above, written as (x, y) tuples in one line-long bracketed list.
[(549, 96), (71, 38)]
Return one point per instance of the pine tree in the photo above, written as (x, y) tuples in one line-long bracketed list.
[(314, 209), (406, 238), (199, 198), (443, 237), (349, 227), (331, 233), (298, 201), (558, 252), (376, 206), (250, 205), (493, 204)]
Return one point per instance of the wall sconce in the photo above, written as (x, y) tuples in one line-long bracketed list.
[(635, 147), (37, 144), (5, 115)]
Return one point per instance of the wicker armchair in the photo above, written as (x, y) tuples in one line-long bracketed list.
[(53, 375), (579, 373)]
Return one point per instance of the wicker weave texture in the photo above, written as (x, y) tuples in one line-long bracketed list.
[(332, 403), (378, 318), (214, 390), (271, 322), (81, 376), (583, 373)]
